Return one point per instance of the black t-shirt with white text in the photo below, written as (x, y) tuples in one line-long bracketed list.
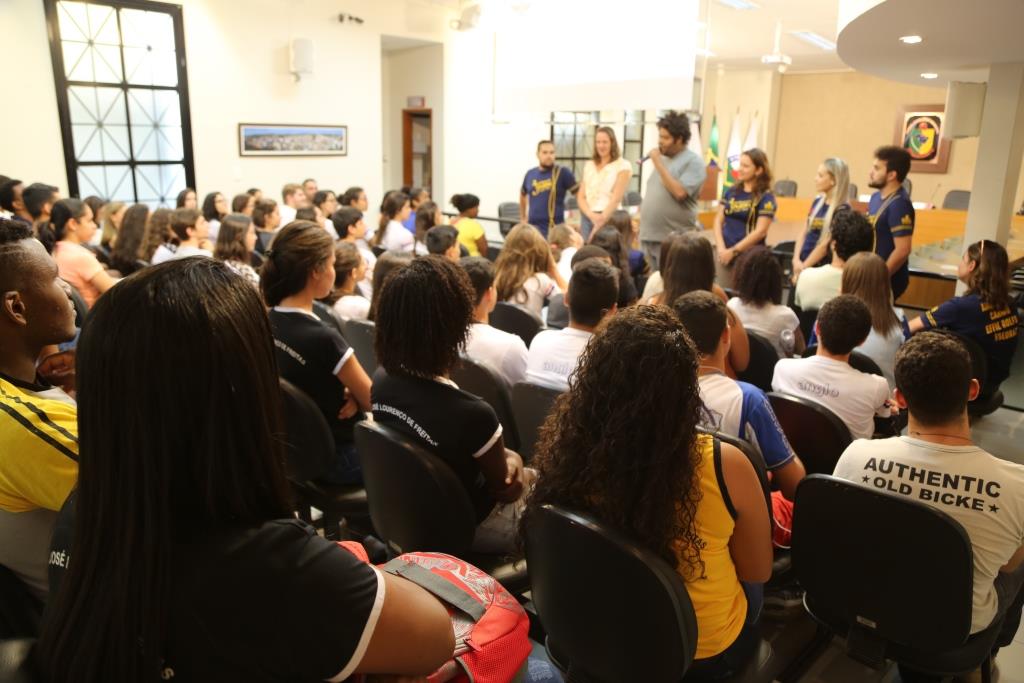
[(455, 425)]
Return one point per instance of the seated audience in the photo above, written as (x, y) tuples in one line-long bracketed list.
[(348, 223), (827, 378), (613, 242), (623, 222), (391, 235), (389, 261), (735, 408), (215, 207), (38, 425), (159, 245), (417, 197), (293, 198), (235, 242), (96, 204), (688, 264), (984, 312), (133, 234), (266, 216), (355, 198), (349, 270), (72, 226), (310, 188), (592, 296), (564, 242), (526, 271), (327, 203), (192, 234), (12, 201), (443, 240), (757, 277), (982, 492), (427, 215), (866, 277), (558, 313), (471, 234), (110, 218), (693, 501), (312, 355), (187, 199), (198, 534), (504, 352), (39, 199), (851, 234), (424, 311), (244, 204)]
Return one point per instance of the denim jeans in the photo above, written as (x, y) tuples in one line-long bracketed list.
[(734, 657), (346, 468)]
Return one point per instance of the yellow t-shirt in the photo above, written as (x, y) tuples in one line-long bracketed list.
[(717, 596), (470, 231)]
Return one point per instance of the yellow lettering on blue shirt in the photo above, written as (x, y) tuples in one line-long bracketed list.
[(540, 186)]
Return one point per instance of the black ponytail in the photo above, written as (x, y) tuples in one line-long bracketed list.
[(63, 211)]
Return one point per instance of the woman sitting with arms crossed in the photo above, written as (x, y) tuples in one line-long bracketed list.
[(696, 503), (188, 562)]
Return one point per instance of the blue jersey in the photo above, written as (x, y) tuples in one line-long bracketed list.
[(543, 209), (892, 218), (738, 223), (815, 226), (410, 222), (995, 330)]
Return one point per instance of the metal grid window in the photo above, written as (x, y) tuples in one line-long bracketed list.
[(122, 94), (573, 135)]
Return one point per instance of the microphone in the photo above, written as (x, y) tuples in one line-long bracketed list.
[(643, 159)]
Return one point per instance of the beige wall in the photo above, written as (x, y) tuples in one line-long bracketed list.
[(417, 72), (746, 91)]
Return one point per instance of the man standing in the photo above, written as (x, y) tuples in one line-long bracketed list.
[(544, 189), (892, 214), (670, 204)]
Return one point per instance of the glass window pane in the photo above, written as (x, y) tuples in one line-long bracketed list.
[(149, 57), (156, 124), (112, 182), (90, 42), (98, 123), (159, 185), (563, 140), (562, 116), (632, 150)]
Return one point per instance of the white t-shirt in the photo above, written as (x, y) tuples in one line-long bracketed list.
[(287, 214), (186, 251), (554, 355), (352, 307), (980, 491), (883, 350), (815, 286), (769, 321), (854, 396), (397, 238), (504, 352), (565, 262), (365, 285), (214, 229), (535, 291), (162, 253), (599, 183)]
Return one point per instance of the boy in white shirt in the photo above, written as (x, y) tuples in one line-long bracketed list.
[(827, 378), (293, 198), (592, 296), (938, 464), (851, 233), (504, 352)]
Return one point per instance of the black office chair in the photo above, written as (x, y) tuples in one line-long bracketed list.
[(516, 320), (81, 308), (989, 397), (328, 316), (20, 611), (558, 312), (492, 252), (858, 361), (256, 259), (901, 592), (531, 405), (510, 212), (570, 203), (15, 660), (263, 240), (854, 192), (359, 335), (785, 188), (482, 380), (593, 631), (807, 319), (632, 198), (908, 185), (763, 358), (957, 199), (309, 450), (418, 503), (816, 434), (783, 253)]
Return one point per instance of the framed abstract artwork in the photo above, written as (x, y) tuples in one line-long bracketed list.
[(919, 131), (288, 140)]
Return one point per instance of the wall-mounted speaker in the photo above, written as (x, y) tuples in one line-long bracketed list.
[(965, 103), (300, 57)]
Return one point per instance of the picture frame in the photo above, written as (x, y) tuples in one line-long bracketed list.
[(919, 130), (291, 140)]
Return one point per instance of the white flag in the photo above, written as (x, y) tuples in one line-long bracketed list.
[(753, 132), (695, 144), (733, 153)]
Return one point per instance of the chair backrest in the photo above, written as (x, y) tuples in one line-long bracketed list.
[(807, 319), (516, 320), (854, 191), (816, 434), (615, 610), (908, 583), (785, 188), (308, 441), (263, 240), (763, 358), (531, 405), (509, 210), (858, 361), (632, 198), (753, 455), (81, 308), (571, 204), (908, 185), (359, 335), (328, 316), (558, 312), (492, 252), (20, 612), (957, 199), (416, 500), (15, 660), (482, 380)]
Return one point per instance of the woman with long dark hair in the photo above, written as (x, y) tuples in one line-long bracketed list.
[(235, 242), (866, 277), (186, 559), (758, 302), (391, 234), (694, 502), (187, 199), (72, 226), (611, 240), (747, 208), (215, 207), (131, 238)]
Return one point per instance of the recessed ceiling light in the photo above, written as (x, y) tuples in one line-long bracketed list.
[(929, 76), (815, 39), (739, 4), (911, 40)]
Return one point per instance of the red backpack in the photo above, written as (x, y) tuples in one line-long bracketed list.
[(492, 639)]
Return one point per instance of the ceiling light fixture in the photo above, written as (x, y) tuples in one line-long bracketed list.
[(911, 40), (739, 4), (814, 39), (930, 76)]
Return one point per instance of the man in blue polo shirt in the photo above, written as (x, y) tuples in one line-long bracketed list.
[(892, 214), (544, 189)]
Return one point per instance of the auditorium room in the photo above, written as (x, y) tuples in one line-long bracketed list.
[(512, 341)]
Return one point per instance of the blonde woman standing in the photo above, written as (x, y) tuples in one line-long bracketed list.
[(832, 181), (605, 178)]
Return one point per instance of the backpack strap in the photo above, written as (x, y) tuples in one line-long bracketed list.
[(434, 584)]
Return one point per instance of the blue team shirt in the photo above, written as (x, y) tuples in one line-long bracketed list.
[(995, 330), (896, 221), (537, 188), (410, 222), (814, 230), (742, 410), (737, 203)]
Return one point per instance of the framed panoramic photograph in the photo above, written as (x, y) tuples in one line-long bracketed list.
[(287, 140), (919, 131)]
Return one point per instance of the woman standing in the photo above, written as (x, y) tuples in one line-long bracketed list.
[(747, 208), (832, 181), (605, 178)]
